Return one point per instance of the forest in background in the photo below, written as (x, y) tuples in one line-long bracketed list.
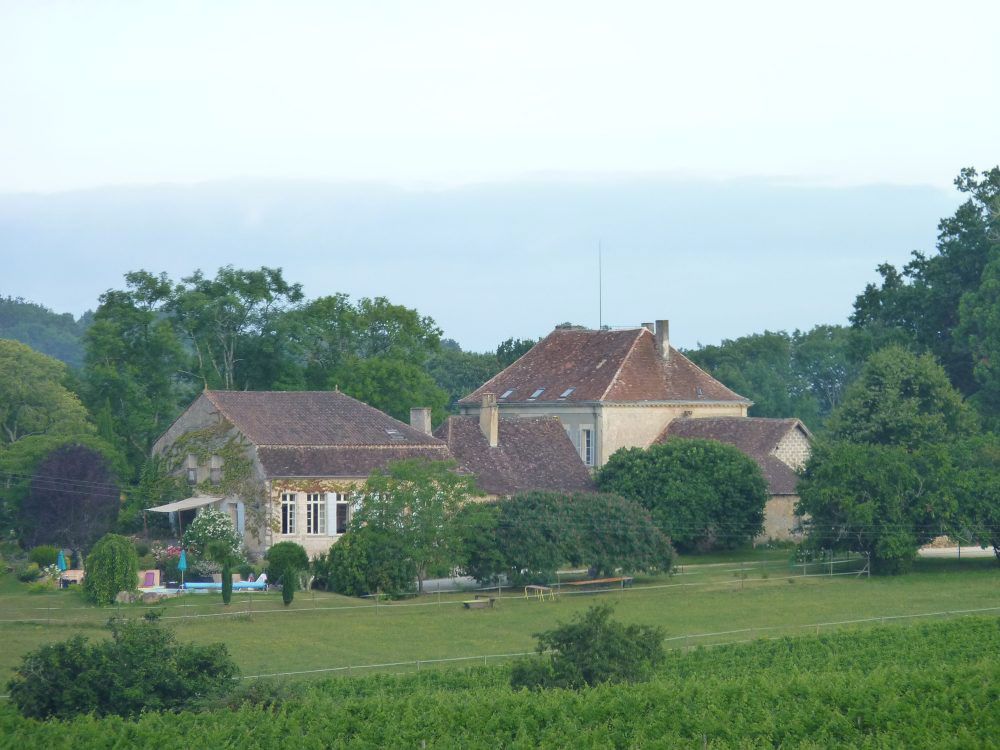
[(150, 346)]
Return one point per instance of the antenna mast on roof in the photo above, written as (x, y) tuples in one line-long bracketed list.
[(600, 289)]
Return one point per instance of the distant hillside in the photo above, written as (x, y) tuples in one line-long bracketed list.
[(59, 336)]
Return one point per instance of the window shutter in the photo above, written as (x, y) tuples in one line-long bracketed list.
[(240, 518)]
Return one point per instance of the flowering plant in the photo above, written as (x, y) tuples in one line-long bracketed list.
[(211, 525)]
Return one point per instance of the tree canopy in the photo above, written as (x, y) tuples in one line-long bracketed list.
[(700, 493), (415, 501)]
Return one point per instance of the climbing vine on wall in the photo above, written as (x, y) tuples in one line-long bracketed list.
[(238, 478)]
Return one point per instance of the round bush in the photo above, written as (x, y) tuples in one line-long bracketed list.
[(111, 567), (209, 526), (44, 555)]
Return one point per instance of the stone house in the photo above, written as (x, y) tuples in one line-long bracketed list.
[(610, 389), (780, 447), (509, 455), (282, 464)]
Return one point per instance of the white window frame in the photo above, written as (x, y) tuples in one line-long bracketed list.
[(588, 445), (315, 514), (288, 502), (338, 500)]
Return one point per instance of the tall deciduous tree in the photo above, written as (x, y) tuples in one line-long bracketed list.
[(230, 322), (920, 305), (880, 499), (416, 501), (73, 499), (34, 400), (700, 493), (135, 364), (901, 399)]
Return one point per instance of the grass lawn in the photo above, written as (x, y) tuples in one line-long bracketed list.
[(326, 630)]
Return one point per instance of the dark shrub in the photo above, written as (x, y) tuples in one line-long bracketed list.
[(591, 649), (141, 668)]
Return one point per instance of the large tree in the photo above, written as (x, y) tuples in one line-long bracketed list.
[(230, 323), (884, 500), (700, 493), (920, 305), (34, 399), (415, 501), (901, 399), (73, 499), (136, 368)]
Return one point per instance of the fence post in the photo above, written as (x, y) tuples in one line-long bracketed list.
[(831, 563)]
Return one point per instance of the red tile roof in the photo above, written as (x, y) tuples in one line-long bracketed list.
[(531, 454), (345, 461), (313, 418), (755, 436), (612, 365)]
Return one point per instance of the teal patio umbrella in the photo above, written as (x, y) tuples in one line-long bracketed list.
[(61, 562), (182, 565)]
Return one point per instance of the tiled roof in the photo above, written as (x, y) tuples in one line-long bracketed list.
[(344, 461), (313, 418), (756, 437), (531, 454), (619, 365)]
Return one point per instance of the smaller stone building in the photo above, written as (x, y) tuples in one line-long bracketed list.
[(780, 447)]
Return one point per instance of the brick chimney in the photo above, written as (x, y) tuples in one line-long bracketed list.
[(489, 419), (662, 334), (420, 419)]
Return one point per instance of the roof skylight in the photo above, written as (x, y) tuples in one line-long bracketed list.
[(394, 434), (506, 394), (565, 394), (536, 394)]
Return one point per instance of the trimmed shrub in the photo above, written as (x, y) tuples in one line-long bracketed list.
[(285, 560), (368, 560), (44, 555), (111, 567), (141, 668)]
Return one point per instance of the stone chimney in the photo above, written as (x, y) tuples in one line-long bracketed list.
[(663, 339), (420, 419), (649, 327), (489, 419)]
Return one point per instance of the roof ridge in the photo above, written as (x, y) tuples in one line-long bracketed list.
[(739, 396), (614, 378)]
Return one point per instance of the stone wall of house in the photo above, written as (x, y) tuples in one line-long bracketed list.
[(780, 522), (314, 544), (794, 449), (631, 426)]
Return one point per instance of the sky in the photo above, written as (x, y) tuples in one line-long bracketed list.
[(439, 144), (98, 93)]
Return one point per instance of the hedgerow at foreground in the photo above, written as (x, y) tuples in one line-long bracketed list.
[(933, 685)]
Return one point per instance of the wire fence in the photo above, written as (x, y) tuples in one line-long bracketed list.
[(675, 642), (713, 576)]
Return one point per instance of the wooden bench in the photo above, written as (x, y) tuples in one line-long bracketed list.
[(480, 602), (602, 584)]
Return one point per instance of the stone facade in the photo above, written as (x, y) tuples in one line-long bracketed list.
[(794, 449)]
